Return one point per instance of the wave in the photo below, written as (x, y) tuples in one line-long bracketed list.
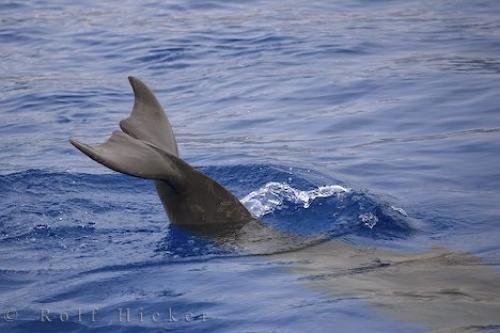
[(57, 211), (273, 195), (327, 209)]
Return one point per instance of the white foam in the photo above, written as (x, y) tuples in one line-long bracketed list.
[(271, 197), (399, 210), (369, 220)]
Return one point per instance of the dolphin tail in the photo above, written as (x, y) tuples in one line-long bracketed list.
[(146, 148)]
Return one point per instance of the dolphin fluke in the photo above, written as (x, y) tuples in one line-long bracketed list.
[(148, 121), (123, 153), (147, 148)]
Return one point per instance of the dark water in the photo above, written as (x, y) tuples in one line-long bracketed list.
[(373, 121)]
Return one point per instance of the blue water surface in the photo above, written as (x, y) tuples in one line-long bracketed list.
[(397, 102)]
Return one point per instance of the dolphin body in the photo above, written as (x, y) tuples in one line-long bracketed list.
[(146, 148), (440, 289)]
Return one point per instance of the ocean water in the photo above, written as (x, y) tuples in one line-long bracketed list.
[(374, 122)]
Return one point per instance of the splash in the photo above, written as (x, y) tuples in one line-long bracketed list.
[(274, 195), (369, 220)]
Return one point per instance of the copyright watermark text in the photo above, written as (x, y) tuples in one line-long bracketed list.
[(92, 315)]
